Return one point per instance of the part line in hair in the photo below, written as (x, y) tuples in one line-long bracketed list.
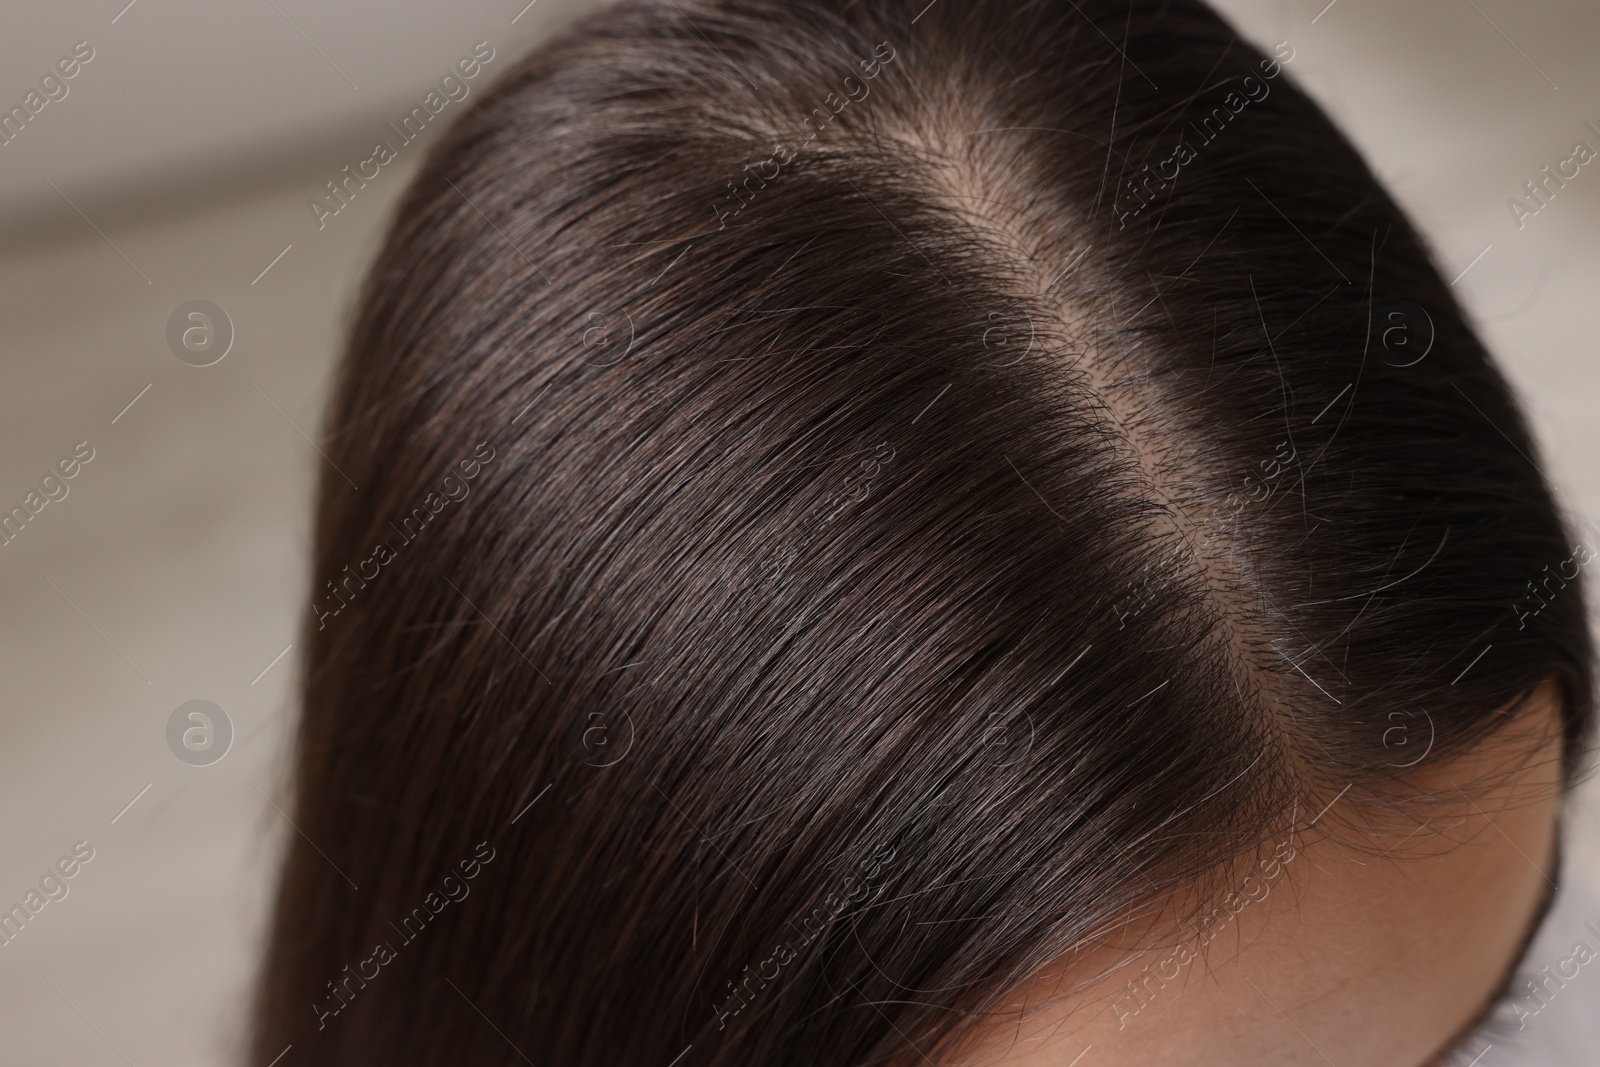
[(1073, 262)]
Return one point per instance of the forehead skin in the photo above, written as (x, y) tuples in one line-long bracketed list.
[(1344, 956)]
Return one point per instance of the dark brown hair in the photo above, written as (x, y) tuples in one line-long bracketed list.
[(856, 495)]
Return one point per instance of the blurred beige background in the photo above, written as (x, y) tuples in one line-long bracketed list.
[(178, 167)]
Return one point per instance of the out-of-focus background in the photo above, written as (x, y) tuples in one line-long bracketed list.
[(178, 166)]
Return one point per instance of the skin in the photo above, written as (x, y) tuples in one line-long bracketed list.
[(1376, 945)]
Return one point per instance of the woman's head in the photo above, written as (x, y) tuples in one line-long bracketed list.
[(877, 514)]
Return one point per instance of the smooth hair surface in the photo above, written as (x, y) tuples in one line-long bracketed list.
[(934, 478)]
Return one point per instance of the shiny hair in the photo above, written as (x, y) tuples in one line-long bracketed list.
[(856, 497)]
